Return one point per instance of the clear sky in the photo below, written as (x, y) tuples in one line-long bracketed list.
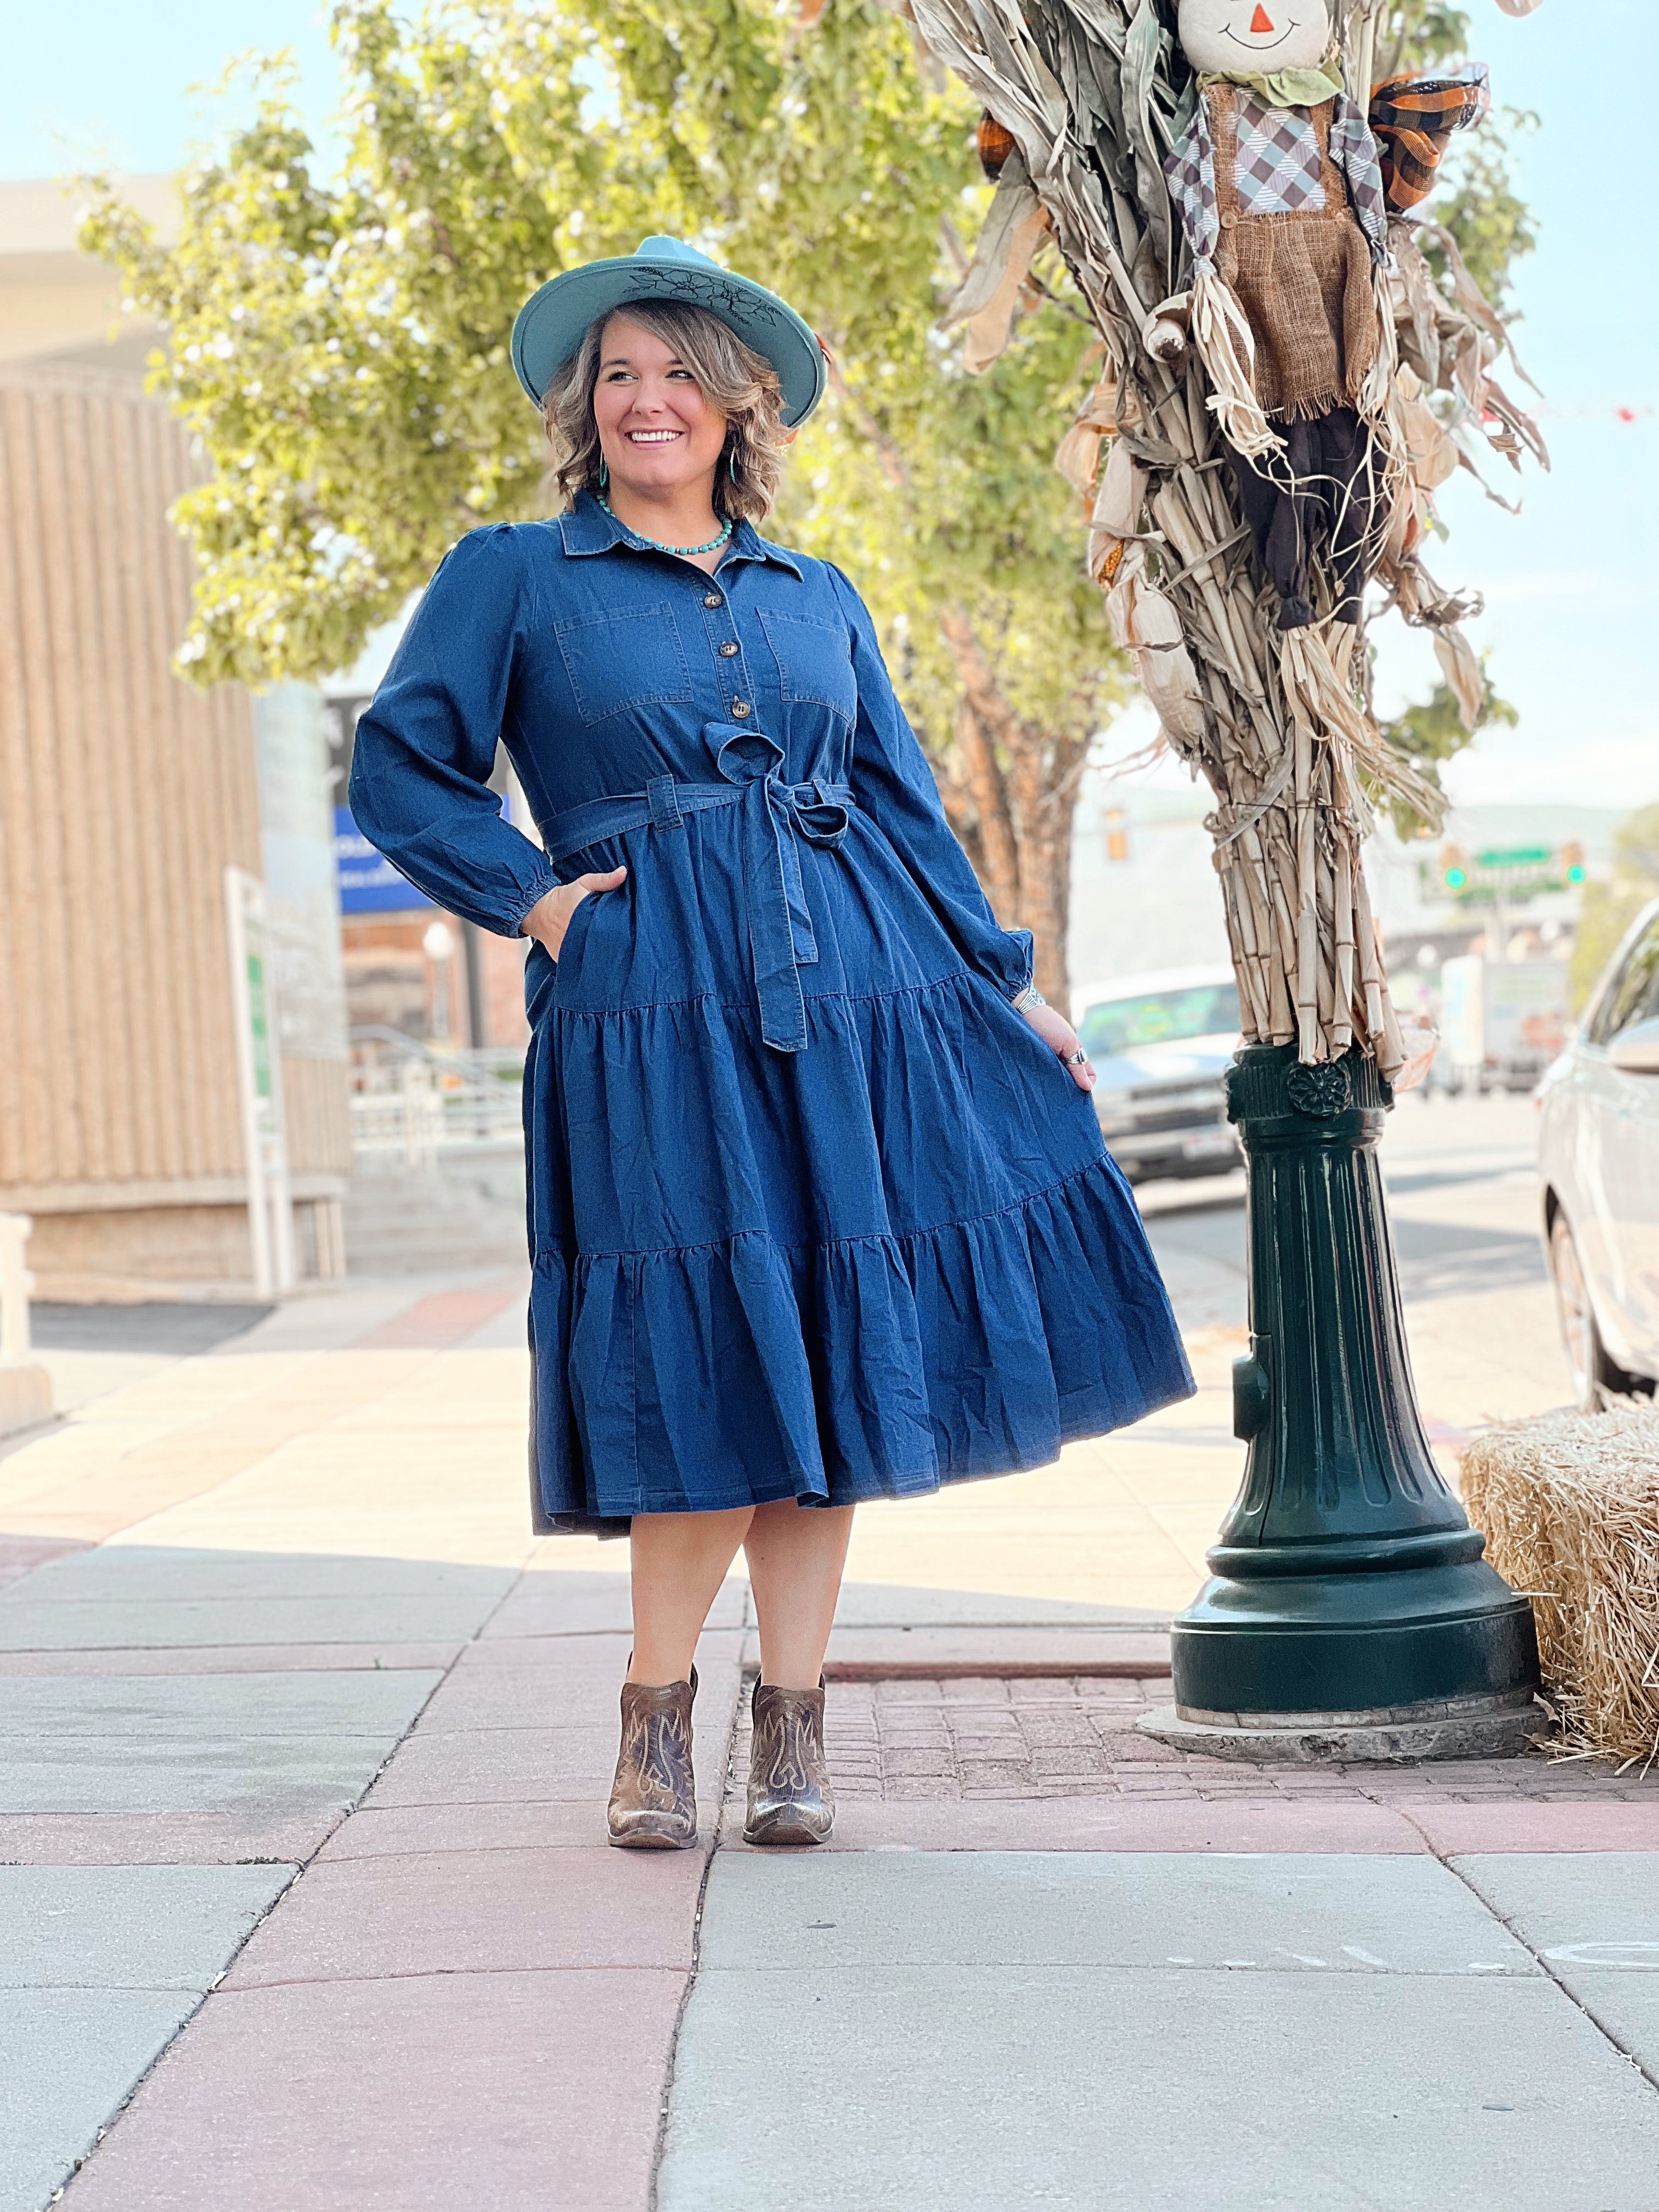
[(109, 82), (1572, 585)]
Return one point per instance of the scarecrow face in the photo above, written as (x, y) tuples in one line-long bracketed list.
[(1258, 35)]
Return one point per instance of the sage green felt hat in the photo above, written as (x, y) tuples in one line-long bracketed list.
[(551, 323)]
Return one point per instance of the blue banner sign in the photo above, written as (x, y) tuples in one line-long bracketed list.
[(368, 883)]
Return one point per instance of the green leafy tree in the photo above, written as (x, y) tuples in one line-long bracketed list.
[(838, 185), (1431, 731), (339, 348), (1611, 906)]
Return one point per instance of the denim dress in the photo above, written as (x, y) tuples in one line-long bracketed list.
[(813, 1211)]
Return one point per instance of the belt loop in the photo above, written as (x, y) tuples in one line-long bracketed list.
[(664, 804)]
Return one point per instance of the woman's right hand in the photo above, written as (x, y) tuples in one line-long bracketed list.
[(549, 919)]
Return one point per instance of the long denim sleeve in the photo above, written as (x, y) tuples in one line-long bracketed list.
[(426, 746), (893, 783)]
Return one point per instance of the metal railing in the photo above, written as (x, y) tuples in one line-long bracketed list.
[(410, 1101)]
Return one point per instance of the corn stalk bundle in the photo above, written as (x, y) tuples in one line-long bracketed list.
[(1569, 1502), (1094, 94)]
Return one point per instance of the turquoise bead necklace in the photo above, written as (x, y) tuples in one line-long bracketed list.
[(657, 542)]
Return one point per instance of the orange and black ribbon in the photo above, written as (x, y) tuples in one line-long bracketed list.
[(1412, 117)]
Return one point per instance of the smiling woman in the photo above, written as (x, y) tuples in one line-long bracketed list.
[(659, 375), (820, 1211)]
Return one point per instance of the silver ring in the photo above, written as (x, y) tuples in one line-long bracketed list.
[(1078, 1058)]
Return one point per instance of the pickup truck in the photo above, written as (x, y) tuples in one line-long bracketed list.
[(1160, 1043)]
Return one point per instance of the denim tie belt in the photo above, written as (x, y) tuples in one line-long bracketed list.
[(775, 814)]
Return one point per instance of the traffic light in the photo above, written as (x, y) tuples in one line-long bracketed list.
[(1454, 867), (1573, 860)]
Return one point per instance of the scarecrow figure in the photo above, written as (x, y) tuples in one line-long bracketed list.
[(1279, 190), (1294, 350)]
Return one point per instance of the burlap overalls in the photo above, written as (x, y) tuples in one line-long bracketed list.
[(1304, 278)]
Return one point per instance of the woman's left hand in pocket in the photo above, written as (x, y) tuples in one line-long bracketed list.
[(549, 918), (1060, 1037)]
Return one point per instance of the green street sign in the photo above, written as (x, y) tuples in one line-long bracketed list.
[(1500, 872)]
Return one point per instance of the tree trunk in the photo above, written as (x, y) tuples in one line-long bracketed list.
[(1045, 902), (1010, 795)]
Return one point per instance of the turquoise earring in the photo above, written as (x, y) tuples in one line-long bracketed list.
[(732, 464), (605, 473)]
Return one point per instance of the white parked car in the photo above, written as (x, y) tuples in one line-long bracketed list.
[(1599, 1166), (1161, 1044)]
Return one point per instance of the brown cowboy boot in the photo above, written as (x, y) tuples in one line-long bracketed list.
[(790, 1799), (653, 1799)]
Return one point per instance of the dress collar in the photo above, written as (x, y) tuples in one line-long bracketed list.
[(587, 528)]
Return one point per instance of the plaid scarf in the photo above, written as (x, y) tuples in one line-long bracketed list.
[(1412, 117)]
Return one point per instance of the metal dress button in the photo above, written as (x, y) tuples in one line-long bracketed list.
[(711, 599), (727, 650), (739, 709)]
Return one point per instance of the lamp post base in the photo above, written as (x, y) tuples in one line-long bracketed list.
[(1494, 1727), (1349, 1604)]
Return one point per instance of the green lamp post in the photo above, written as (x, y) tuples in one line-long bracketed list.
[(1349, 1611)]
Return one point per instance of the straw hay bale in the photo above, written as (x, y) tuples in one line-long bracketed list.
[(1570, 1504)]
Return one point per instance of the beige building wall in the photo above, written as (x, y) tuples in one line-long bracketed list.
[(124, 795), (56, 302)]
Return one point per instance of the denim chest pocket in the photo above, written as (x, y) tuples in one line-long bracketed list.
[(815, 662), (632, 658)]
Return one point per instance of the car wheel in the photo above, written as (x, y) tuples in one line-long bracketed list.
[(1597, 1374), (1580, 1338)]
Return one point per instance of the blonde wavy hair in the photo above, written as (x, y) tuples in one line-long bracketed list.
[(732, 377)]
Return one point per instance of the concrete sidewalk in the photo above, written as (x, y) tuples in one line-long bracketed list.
[(305, 1903), (1091, 2029)]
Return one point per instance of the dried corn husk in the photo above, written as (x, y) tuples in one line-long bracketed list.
[(1076, 457), (1147, 627), (1166, 333), (993, 295), (1373, 397), (1462, 670), (1428, 455), (1430, 451), (1077, 454), (1275, 723), (1116, 515), (1226, 346)]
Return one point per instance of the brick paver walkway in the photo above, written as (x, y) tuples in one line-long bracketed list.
[(1075, 1737)]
